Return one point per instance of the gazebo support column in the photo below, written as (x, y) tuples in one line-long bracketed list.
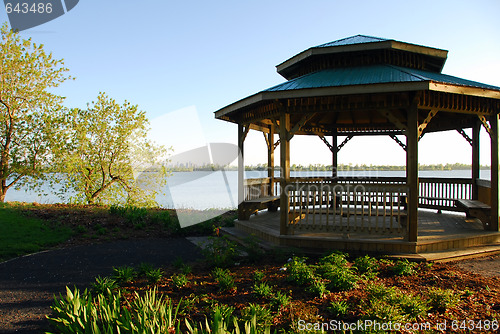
[(494, 172), (475, 159), (335, 161), (270, 159), (285, 171), (412, 172), (241, 171)]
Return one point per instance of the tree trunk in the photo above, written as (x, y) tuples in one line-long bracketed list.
[(3, 192)]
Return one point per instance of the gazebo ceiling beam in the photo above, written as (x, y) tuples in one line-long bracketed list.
[(466, 136), (246, 128), (486, 125), (426, 122), (393, 119), (330, 146)]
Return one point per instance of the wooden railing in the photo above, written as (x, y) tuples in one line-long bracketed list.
[(347, 207), (441, 193), (434, 193)]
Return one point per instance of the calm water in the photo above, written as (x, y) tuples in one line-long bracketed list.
[(204, 190)]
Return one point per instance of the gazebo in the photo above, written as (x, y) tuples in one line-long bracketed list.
[(367, 86)]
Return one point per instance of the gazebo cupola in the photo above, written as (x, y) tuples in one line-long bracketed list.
[(359, 86)]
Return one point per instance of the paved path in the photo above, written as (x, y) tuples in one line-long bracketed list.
[(28, 283)]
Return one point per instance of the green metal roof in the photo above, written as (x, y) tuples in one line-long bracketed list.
[(358, 39), (375, 74)]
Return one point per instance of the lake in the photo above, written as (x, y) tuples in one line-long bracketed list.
[(207, 190)]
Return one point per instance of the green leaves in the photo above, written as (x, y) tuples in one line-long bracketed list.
[(29, 111), (105, 152)]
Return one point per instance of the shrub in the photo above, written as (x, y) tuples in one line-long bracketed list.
[(154, 275), (318, 288), (124, 274), (440, 299), (143, 268), (299, 272), (224, 279), (338, 259), (220, 251), (103, 284), (263, 290), (366, 266), (341, 279), (260, 314), (280, 300), (258, 276), (403, 268), (338, 308), (180, 280)]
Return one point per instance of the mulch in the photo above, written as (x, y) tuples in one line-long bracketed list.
[(28, 284)]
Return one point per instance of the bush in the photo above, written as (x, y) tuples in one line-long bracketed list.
[(258, 276), (220, 251), (366, 266), (263, 290), (403, 268), (440, 299), (338, 308), (260, 314), (124, 274), (341, 279), (103, 284), (280, 300), (299, 272), (180, 280), (224, 279), (318, 288)]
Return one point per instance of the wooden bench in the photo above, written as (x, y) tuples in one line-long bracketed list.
[(249, 207), (476, 209)]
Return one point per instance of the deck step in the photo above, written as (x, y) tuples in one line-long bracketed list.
[(461, 254)]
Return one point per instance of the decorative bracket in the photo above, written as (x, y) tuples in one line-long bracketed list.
[(246, 128), (426, 122), (344, 142), (485, 124), (267, 142), (394, 120), (299, 125), (276, 144), (466, 136), (400, 143), (327, 143)]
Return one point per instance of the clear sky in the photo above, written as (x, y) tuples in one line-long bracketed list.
[(182, 60)]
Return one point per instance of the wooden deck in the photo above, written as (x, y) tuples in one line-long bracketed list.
[(436, 233)]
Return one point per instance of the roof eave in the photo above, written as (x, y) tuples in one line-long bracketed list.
[(464, 90), (319, 92)]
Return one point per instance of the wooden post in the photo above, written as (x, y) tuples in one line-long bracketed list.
[(241, 171), (475, 159), (335, 161), (285, 171), (494, 172), (412, 172), (270, 160)]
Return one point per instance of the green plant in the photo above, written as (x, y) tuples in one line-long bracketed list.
[(263, 290), (143, 268), (338, 308), (258, 276), (224, 279), (154, 275), (124, 274), (341, 279), (318, 288), (366, 266), (111, 313), (441, 299), (280, 300), (180, 280), (299, 272), (253, 249), (103, 284), (219, 251), (413, 306), (261, 314), (338, 259), (403, 268)]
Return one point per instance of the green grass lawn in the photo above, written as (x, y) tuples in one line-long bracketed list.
[(21, 235)]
